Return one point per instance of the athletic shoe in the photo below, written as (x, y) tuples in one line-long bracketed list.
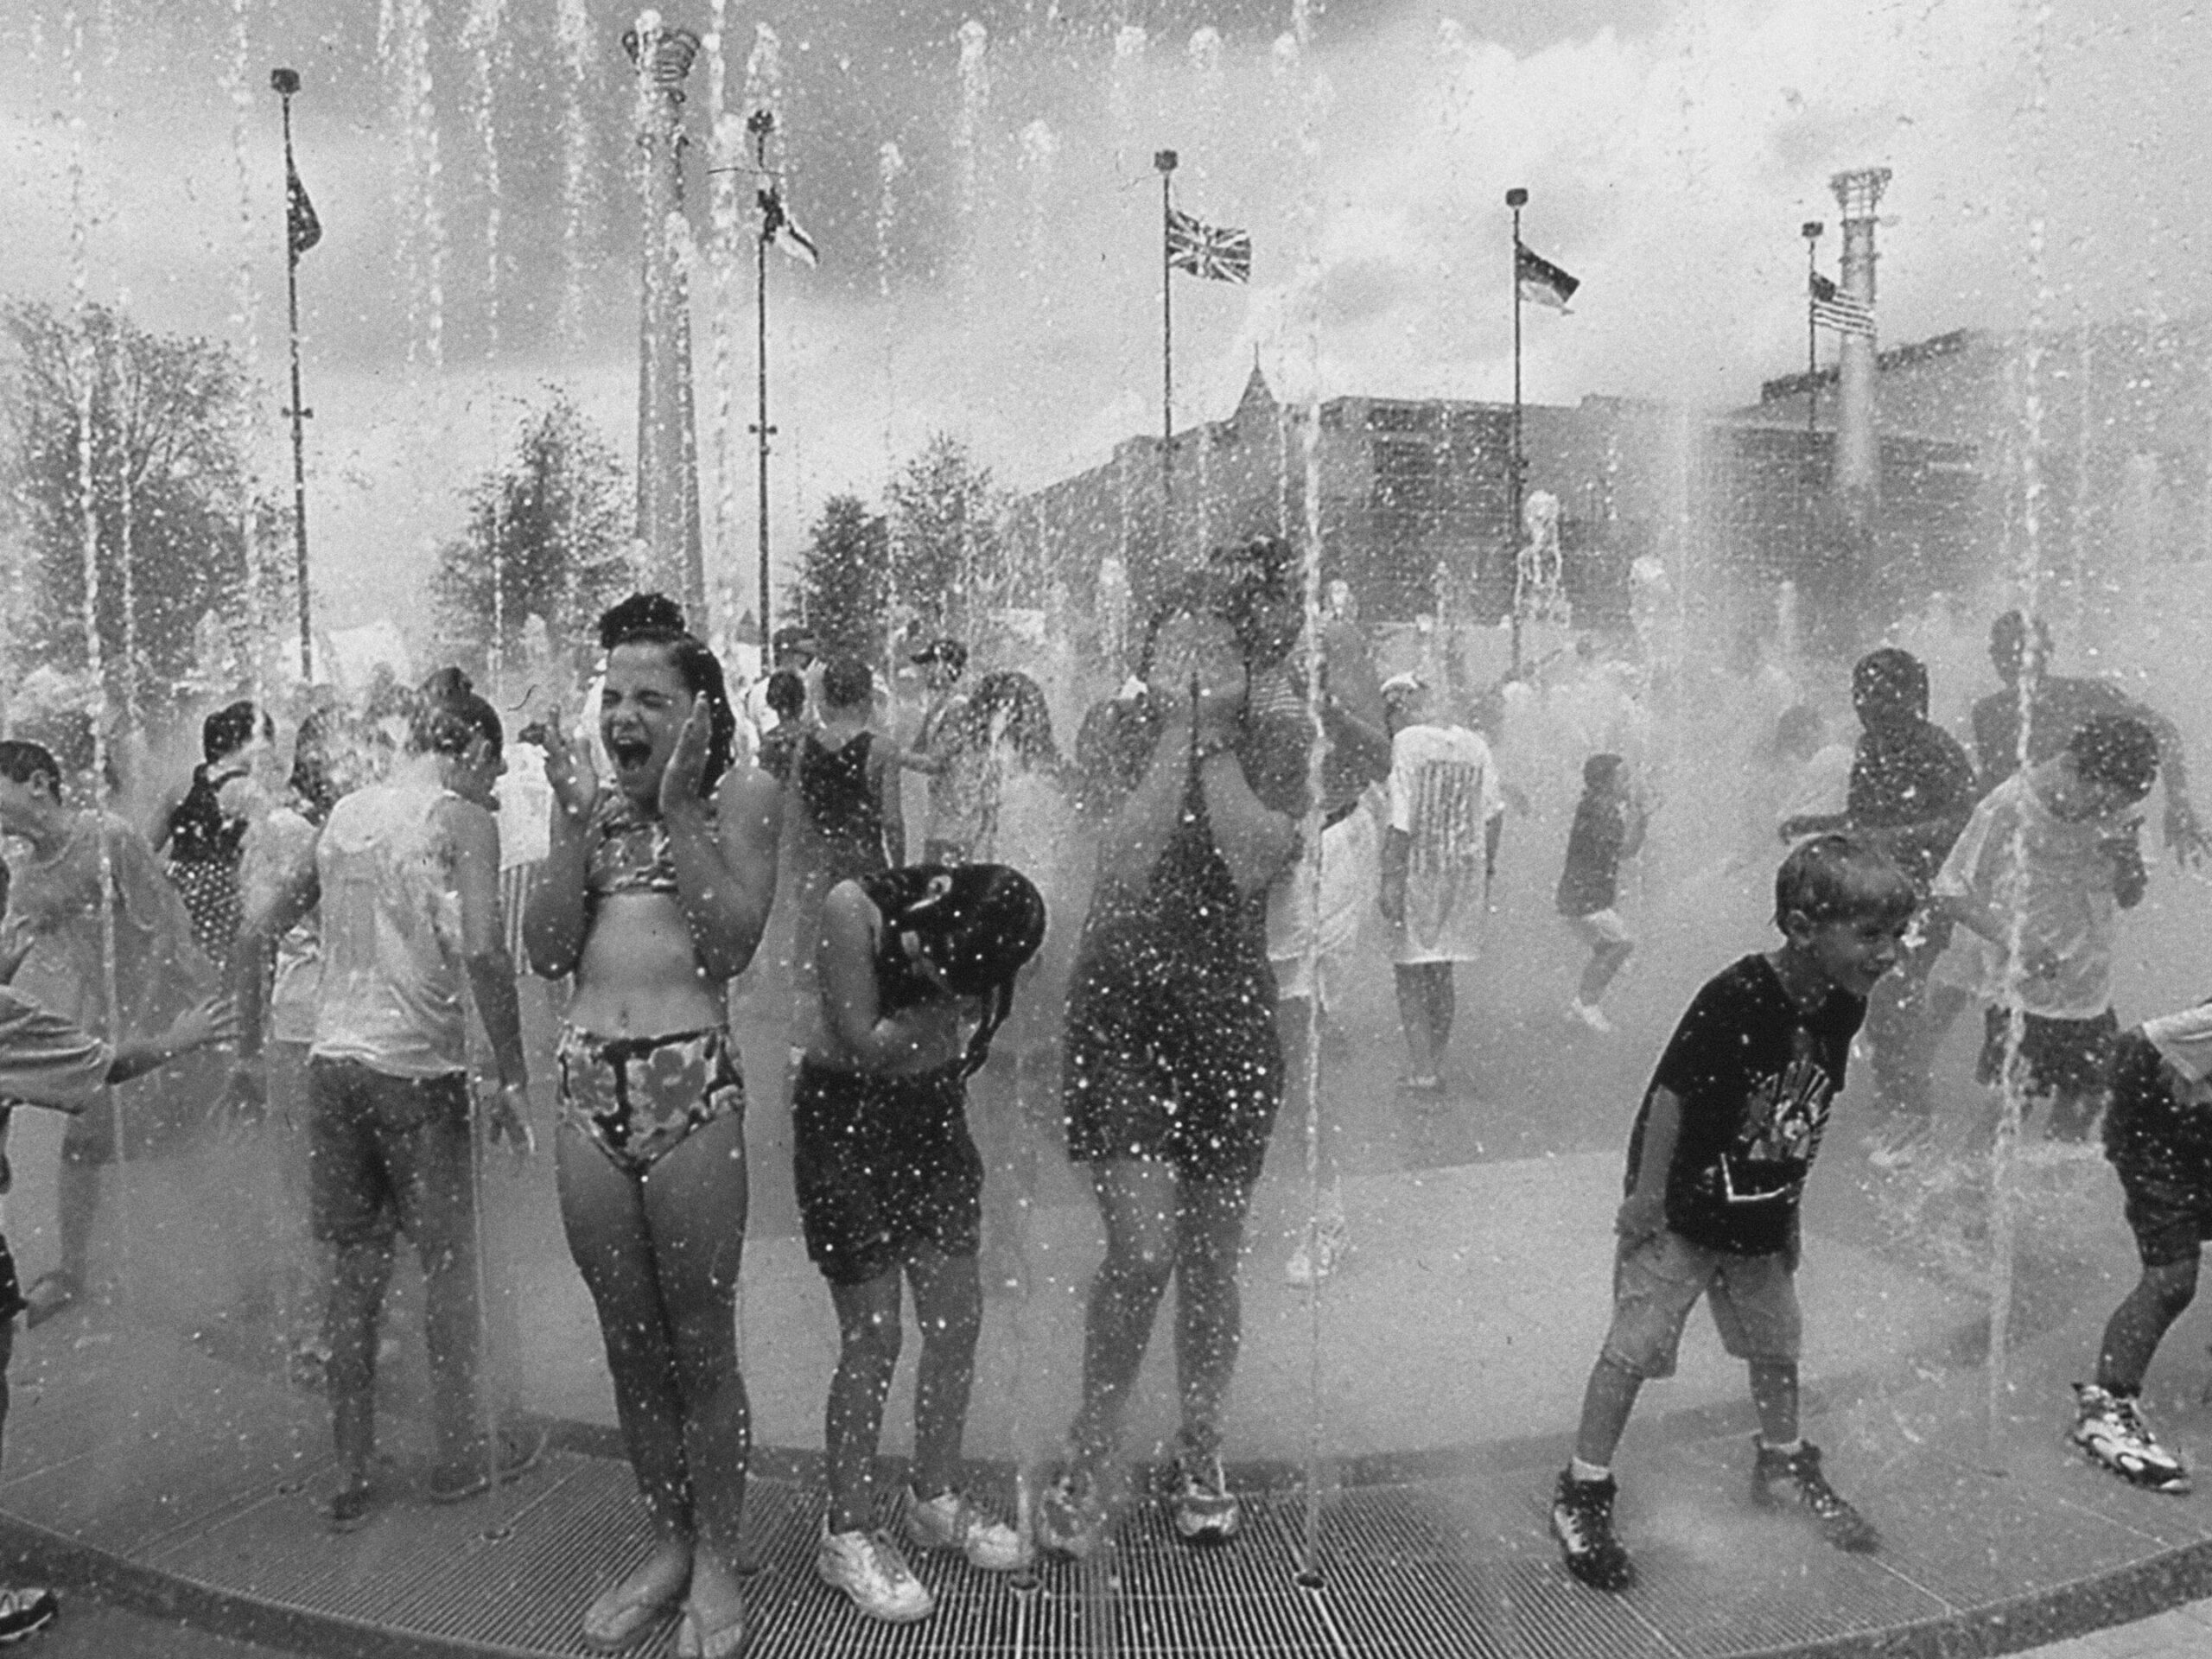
[(2110, 1430), (867, 1566), (25, 1611), (1840, 1524), (1591, 1015), (1072, 1516), (455, 1478), (954, 1520), (1582, 1520), (1202, 1507)]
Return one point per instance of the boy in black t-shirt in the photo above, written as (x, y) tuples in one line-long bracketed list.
[(1722, 1144)]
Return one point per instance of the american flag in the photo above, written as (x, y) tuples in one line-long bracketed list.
[(780, 229), (1833, 308), (1208, 251), (1541, 281), (300, 224)]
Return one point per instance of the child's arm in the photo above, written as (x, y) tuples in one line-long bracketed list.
[(212, 1021), (1643, 1212), (848, 998)]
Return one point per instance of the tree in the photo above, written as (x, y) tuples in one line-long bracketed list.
[(168, 494), (845, 586), (948, 556), (547, 536)]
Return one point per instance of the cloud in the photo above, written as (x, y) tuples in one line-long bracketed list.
[(1671, 151)]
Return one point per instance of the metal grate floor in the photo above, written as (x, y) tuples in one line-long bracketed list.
[(138, 1459)]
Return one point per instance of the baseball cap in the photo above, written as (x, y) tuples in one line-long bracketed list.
[(793, 637)]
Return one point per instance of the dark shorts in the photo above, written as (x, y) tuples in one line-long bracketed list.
[(883, 1165), (1177, 1066), (387, 1154), (2168, 1211), (2071, 1058)]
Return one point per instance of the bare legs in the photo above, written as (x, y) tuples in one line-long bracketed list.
[(1607, 958), (1610, 1396), (1428, 1003), (949, 1306), (1161, 1225), (660, 1256), (2132, 1333)]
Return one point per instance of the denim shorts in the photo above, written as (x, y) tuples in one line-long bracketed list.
[(1657, 1280)]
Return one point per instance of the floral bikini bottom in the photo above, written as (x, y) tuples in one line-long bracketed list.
[(638, 1097)]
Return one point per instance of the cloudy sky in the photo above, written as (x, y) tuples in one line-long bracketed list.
[(998, 278)]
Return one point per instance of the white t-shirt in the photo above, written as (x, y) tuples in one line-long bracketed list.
[(2060, 886)]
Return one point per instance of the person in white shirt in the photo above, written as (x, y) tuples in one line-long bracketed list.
[(2039, 874)]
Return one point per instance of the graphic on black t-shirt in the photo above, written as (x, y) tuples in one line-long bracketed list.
[(1755, 1076), (1784, 1116)]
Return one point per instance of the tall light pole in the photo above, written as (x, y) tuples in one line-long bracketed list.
[(761, 124), (286, 83)]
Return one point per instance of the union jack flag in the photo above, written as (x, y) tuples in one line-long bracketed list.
[(1208, 251)]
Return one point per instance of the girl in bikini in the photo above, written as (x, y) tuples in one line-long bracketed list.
[(654, 894)]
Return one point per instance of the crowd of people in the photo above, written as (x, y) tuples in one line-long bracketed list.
[(1151, 934)]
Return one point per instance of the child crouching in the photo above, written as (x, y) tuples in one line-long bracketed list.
[(1726, 1134)]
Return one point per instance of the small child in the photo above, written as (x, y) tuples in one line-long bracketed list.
[(1608, 826), (890, 1189), (1726, 1135), (2158, 1136)]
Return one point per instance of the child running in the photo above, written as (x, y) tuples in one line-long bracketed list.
[(1723, 1142), (890, 1183), (1608, 826), (2158, 1136)]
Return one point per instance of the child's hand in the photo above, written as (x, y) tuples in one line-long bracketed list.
[(1642, 1215)]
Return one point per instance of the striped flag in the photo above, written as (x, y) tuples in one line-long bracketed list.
[(1542, 282), (1208, 251), (1833, 308), (778, 227), (300, 224)]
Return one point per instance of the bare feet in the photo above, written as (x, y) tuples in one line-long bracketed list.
[(714, 1614), (629, 1608)]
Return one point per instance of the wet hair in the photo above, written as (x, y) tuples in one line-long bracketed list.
[(448, 716), (1798, 732), (979, 924), (656, 620), (786, 694), (1890, 680), (23, 761), (230, 729), (1601, 772), (1028, 717), (848, 683), (1835, 878), (2117, 751)]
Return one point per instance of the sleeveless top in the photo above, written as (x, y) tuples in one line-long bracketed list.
[(200, 832), (394, 982), (841, 802)]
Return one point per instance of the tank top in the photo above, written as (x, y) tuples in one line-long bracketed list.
[(841, 803), (394, 982), (200, 832)]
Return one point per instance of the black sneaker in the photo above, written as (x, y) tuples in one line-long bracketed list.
[(1840, 1524), (25, 1611), (1582, 1520), (350, 1505), (464, 1477)]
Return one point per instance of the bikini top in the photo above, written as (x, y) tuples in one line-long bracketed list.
[(629, 850)]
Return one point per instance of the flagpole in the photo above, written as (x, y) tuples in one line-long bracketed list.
[(1516, 199), (285, 83), (760, 123), (1811, 230), (1165, 161)]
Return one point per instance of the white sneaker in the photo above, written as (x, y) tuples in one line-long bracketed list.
[(1590, 1014), (954, 1520), (2110, 1430), (1327, 1243), (867, 1566)]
